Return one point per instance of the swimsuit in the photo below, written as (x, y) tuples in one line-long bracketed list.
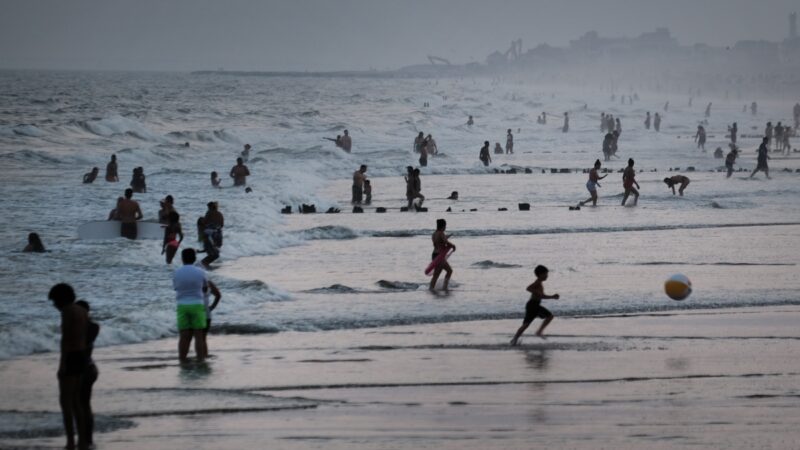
[(534, 309)]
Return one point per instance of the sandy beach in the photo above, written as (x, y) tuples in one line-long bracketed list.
[(705, 379)]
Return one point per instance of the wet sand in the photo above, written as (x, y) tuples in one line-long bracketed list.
[(707, 379)]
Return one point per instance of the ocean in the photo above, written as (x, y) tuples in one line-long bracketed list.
[(736, 238)]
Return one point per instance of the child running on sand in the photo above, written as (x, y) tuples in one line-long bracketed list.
[(534, 308)]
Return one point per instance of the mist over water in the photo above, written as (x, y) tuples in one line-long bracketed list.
[(343, 271)]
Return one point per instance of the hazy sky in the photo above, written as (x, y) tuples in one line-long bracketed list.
[(345, 34)]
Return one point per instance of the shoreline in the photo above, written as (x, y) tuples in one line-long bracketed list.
[(657, 380)]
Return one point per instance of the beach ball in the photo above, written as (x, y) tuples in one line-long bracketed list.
[(678, 287)]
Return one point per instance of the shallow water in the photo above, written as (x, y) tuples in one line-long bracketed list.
[(736, 239)]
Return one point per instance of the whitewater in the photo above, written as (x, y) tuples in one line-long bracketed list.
[(737, 238)]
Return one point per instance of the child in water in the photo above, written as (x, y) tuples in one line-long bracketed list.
[(367, 192), (534, 308), (215, 179)]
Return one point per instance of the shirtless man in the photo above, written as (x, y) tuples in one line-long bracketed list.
[(111, 170), (74, 363), (677, 179), (441, 244), (358, 184), (214, 221), (128, 212), (628, 180), (346, 143), (239, 173)]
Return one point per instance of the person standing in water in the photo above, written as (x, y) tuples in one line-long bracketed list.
[(593, 184), (754, 108), (423, 153), (470, 122), (111, 170), (534, 308), (173, 236), (608, 140), (138, 181), (677, 179), (418, 142), (215, 181), (700, 137), (189, 283), (730, 159), (484, 155), (441, 244), (628, 181), (763, 156), (90, 376), (565, 128), (708, 110), (657, 122), (509, 142), (358, 185), (239, 173), (214, 222), (433, 149), (647, 121), (74, 363), (346, 143), (128, 212), (246, 152), (733, 130)]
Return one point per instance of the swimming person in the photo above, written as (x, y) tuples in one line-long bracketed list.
[(628, 181), (441, 244), (34, 244), (111, 170), (189, 282), (74, 363), (239, 173), (173, 236), (433, 149), (215, 181), (593, 184), (763, 156), (89, 178), (534, 308), (677, 179), (128, 212), (509, 142)]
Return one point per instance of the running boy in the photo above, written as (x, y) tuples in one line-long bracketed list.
[(534, 308)]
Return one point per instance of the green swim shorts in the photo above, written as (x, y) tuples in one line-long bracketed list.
[(191, 317)]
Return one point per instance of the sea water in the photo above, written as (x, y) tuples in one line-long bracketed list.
[(736, 238)]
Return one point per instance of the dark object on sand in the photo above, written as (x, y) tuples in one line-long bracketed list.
[(286, 210), (453, 195), (333, 210), (502, 209), (524, 206), (380, 209), (357, 210), (308, 209)]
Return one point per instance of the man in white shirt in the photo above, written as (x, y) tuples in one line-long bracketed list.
[(190, 282)]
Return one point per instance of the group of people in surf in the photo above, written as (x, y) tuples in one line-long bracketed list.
[(343, 142), (425, 146), (656, 121)]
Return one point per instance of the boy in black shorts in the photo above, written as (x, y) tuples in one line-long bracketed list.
[(534, 308)]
